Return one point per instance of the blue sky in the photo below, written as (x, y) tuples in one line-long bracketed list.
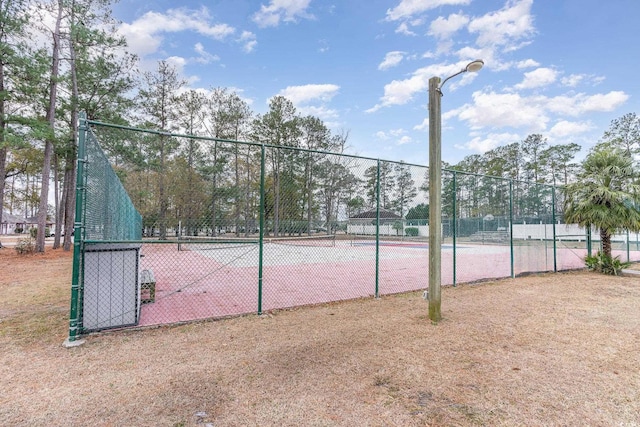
[(562, 68)]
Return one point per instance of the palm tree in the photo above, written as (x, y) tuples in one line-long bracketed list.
[(606, 195)]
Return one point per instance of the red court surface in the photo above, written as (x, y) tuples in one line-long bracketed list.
[(200, 284)]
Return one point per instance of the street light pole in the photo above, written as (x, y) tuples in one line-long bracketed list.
[(435, 188), (435, 199)]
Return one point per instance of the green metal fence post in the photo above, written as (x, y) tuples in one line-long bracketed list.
[(588, 231), (513, 273), (553, 218), (377, 293), (454, 228), (75, 324), (261, 238)]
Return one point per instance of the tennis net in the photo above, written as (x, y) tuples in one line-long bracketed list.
[(199, 243), (322, 241)]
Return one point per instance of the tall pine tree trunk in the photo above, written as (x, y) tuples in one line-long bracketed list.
[(69, 200), (309, 190), (276, 198), (162, 217), (48, 147), (57, 204), (3, 165), (248, 196), (3, 149), (236, 198)]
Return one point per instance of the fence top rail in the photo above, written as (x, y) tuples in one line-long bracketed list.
[(502, 178), (234, 141), (154, 241)]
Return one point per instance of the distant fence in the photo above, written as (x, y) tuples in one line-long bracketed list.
[(173, 228)]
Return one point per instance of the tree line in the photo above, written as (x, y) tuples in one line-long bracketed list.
[(56, 58), (60, 57), (211, 183)]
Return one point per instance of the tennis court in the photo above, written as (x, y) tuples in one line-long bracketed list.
[(145, 261), (210, 278), (216, 279)]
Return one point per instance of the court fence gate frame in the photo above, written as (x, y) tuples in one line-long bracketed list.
[(214, 228)]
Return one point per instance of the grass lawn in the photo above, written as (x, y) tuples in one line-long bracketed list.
[(551, 349)]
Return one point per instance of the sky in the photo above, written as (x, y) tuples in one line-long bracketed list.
[(560, 68)]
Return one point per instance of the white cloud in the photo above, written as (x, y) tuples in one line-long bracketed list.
[(248, 39), (443, 28), (537, 78), (322, 112), (489, 142), (281, 10), (511, 110), (310, 92), (398, 135), (199, 48), (504, 27), (602, 102), (404, 140), (499, 32), (178, 63), (324, 46), (311, 100), (144, 35), (527, 63), (577, 104), (564, 128), (204, 56), (399, 92), (403, 28), (422, 126), (498, 110), (381, 135), (391, 59), (487, 54), (573, 80), (397, 132), (408, 8)]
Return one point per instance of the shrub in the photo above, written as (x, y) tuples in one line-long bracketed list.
[(397, 226), (602, 263), (33, 231), (18, 230), (25, 246), (411, 231)]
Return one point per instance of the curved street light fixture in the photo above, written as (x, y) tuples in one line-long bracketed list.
[(473, 66), (435, 188)]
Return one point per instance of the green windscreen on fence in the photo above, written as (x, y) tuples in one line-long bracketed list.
[(109, 214)]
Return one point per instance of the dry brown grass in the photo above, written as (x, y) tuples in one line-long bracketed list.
[(554, 349)]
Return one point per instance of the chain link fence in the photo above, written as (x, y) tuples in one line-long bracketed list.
[(174, 228)]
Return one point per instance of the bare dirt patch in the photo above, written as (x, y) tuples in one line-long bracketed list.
[(553, 349)]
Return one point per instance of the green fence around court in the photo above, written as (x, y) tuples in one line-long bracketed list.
[(173, 228)]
